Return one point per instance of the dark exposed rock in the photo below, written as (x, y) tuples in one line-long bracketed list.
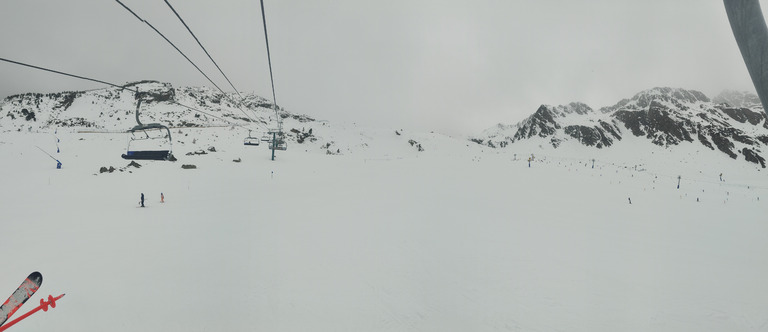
[(743, 115), (542, 123), (105, 169), (658, 123), (635, 121), (72, 122), (134, 164), (589, 136), (302, 135), (555, 142), (704, 141), (166, 93), (186, 124), (28, 115), (610, 129), (752, 156), (723, 144), (188, 166), (673, 129), (477, 140), (416, 144), (67, 98), (739, 136)]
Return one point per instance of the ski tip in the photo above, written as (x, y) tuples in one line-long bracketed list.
[(36, 277)]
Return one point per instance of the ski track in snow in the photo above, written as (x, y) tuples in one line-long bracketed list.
[(383, 238)]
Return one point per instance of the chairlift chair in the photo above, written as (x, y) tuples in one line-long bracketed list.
[(251, 140), (139, 146)]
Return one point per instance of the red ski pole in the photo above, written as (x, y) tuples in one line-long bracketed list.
[(43, 305)]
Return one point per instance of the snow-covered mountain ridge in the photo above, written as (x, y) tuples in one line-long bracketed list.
[(114, 108), (732, 123)]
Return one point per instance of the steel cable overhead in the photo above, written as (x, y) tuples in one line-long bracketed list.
[(206, 53), (269, 59), (169, 42), (61, 73), (117, 86), (203, 47), (188, 59)]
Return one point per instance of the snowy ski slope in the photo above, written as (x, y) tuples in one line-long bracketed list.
[(382, 237)]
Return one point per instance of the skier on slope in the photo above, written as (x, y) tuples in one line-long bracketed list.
[(142, 199), (162, 198)]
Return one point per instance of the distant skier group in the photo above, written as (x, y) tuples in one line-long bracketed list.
[(141, 201)]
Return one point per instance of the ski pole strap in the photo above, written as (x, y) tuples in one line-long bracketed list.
[(43, 305)]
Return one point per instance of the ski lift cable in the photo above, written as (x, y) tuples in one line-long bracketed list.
[(211, 58), (207, 53), (203, 47), (172, 44), (269, 59), (62, 73), (182, 53), (120, 87)]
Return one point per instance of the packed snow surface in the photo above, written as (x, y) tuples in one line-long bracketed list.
[(381, 237)]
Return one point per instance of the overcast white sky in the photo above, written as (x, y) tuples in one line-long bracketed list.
[(450, 66)]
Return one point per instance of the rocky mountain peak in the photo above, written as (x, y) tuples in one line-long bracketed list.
[(644, 98), (665, 117), (672, 96)]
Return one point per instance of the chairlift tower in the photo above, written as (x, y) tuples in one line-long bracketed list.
[(278, 138)]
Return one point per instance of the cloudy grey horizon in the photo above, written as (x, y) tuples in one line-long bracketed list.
[(456, 67)]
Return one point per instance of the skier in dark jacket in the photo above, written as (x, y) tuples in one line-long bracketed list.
[(142, 199)]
